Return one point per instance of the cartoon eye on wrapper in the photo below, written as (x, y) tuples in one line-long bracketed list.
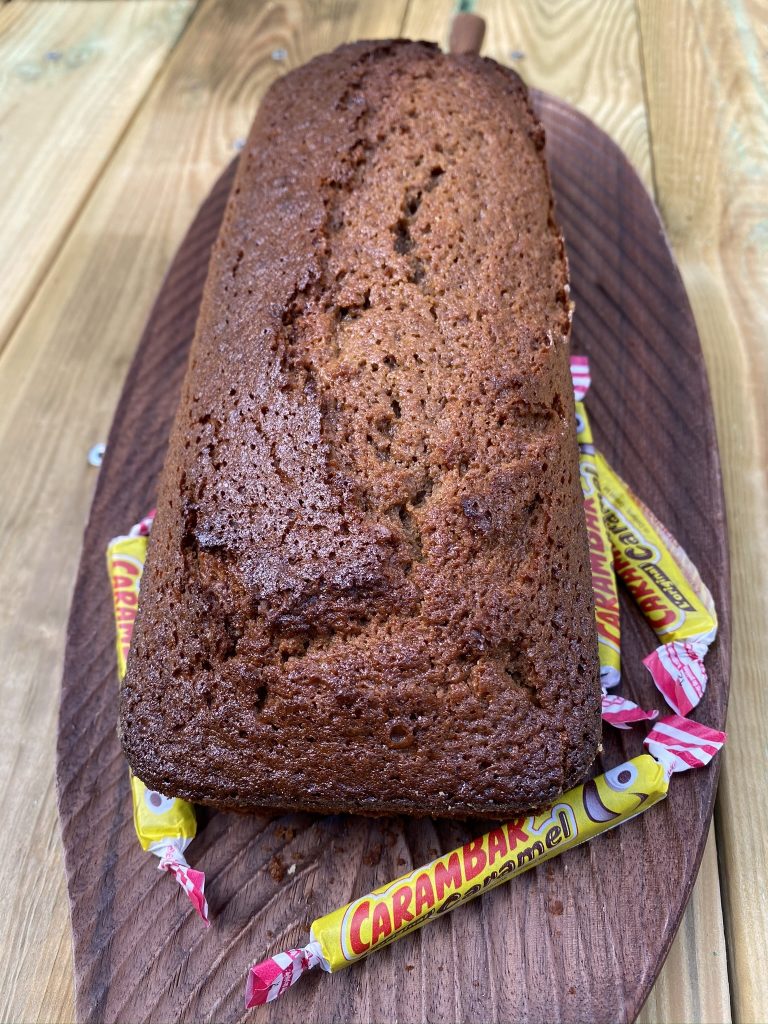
[(157, 803), (621, 778), (617, 779)]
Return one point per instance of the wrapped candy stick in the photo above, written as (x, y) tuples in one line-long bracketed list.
[(616, 711), (600, 553), (667, 587), (657, 571), (164, 825), (373, 921)]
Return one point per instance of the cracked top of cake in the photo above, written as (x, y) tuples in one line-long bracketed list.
[(368, 585)]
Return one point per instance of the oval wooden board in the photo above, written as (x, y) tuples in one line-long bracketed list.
[(580, 939)]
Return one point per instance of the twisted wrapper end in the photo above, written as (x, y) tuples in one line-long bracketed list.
[(622, 713), (680, 744), (677, 669), (173, 861), (270, 978)]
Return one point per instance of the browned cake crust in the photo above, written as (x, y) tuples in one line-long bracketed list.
[(368, 586)]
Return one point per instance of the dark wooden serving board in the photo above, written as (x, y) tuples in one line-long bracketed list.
[(579, 939)]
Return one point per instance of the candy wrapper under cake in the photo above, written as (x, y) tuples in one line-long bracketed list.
[(388, 913), (667, 587), (658, 573), (617, 711), (164, 825), (600, 552)]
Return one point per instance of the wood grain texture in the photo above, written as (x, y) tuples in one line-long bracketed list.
[(693, 984), (71, 78), (60, 377), (513, 955), (708, 101)]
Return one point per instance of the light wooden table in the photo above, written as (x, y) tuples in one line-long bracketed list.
[(115, 119)]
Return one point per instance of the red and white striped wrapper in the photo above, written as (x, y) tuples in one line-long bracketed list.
[(680, 744), (173, 861), (677, 669), (622, 713), (581, 376), (270, 978), (144, 527)]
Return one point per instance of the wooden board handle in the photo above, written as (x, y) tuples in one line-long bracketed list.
[(467, 33)]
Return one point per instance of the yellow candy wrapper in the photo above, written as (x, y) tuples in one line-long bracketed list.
[(125, 564), (600, 552), (667, 587), (164, 825), (157, 817), (386, 914), (618, 711), (601, 558)]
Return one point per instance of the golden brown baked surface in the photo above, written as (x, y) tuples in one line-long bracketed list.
[(368, 584)]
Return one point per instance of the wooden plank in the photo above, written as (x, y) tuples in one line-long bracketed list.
[(60, 376), (71, 78), (588, 52), (585, 51), (693, 985), (707, 93)]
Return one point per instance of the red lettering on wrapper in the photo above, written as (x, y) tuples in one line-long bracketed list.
[(497, 845), (625, 570), (445, 877), (608, 624), (359, 918), (474, 858), (400, 903), (597, 548), (424, 895), (381, 926), (125, 634), (516, 833), (124, 566), (651, 605), (122, 582), (641, 589)]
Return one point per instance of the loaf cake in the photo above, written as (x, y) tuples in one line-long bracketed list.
[(368, 587)]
